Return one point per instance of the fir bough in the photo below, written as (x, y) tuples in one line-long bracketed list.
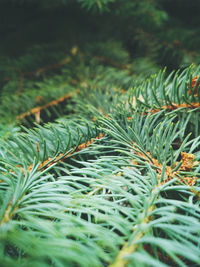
[(99, 165), (115, 185)]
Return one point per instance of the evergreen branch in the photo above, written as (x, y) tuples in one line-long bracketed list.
[(129, 249), (168, 93), (167, 173), (175, 45), (143, 150), (39, 71), (12, 204), (62, 157), (114, 181), (132, 252), (114, 64), (192, 106), (37, 110), (60, 64)]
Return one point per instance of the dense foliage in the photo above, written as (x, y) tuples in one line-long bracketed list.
[(99, 149)]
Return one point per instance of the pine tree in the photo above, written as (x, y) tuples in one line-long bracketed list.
[(99, 156)]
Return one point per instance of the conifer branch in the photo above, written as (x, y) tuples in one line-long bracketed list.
[(61, 157), (129, 248), (167, 173), (37, 110), (175, 45), (176, 106), (112, 178), (114, 64), (39, 71)]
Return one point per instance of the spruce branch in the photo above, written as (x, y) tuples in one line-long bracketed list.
[(37, 110)]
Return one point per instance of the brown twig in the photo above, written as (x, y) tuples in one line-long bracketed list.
[(61, 157), (176, 106), (50, 161), (39, 108), (39, 71)]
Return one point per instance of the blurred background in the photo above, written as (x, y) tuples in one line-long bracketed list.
[(51, 47)]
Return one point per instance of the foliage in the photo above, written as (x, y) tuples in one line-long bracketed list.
[(99, 148), (126, 199)]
